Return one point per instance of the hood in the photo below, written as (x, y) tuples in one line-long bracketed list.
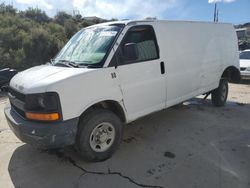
[(37, 79), (245, 63)]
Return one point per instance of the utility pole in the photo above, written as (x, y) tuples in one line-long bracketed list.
[(217, 15), (215, 11)]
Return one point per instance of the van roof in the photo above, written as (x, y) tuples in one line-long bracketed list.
[(131, 22)]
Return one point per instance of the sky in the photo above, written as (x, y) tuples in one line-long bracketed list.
[(230, 11)]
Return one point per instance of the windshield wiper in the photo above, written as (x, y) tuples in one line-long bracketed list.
[(84, 64), (73, 64), (51, 62), (66, 63), (89, 65), (61, 64)]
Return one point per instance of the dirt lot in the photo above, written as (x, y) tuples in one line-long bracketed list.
[(194, 145)]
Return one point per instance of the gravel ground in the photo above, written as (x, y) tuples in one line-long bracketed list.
[(193, 145)]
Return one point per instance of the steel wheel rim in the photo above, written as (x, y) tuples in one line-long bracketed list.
[(224, 92), (102, 137)]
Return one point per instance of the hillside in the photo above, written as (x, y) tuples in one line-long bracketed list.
[(29, 38)]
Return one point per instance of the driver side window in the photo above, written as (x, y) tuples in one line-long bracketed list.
[(144, 39)]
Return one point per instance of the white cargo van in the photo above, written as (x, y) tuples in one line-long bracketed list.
[(111, 74)]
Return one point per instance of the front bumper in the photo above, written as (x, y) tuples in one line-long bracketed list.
[(42, 135), (245, 74)]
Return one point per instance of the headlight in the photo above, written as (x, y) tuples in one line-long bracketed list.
[(41, 101), (43, 106), (248, 69)]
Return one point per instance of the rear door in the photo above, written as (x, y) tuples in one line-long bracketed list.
[(142, 81)]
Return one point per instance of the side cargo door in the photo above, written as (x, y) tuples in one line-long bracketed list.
[(143, 80)]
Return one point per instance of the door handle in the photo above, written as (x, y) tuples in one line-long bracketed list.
[(162, 68)]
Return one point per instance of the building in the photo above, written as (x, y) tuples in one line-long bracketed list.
[(242, 33)]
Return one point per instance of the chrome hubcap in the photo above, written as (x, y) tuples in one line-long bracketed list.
[(102, 137)]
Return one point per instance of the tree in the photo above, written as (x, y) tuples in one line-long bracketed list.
[(61, 17), (77, 17), (36, 15), (7, 9), (29, 38), (70, 28)]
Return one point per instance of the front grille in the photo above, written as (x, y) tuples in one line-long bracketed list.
[(17, 94), (17, 101), (19, 111), (243, 68)]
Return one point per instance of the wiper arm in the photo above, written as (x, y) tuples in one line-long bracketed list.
[(88, 64), (52, 61), (61, 64), (73, 64), (85, 64), (66, 63)]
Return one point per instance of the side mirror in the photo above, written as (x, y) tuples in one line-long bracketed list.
[(130, 52)]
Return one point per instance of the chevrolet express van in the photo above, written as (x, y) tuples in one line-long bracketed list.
[(113, 73)]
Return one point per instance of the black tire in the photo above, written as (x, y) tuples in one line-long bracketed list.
[(89, 123), (4, 87), (219, 95)]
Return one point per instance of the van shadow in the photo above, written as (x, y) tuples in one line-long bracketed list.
[(29, 167), (144, 142)]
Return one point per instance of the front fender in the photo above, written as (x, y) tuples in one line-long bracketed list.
[(79, 92)]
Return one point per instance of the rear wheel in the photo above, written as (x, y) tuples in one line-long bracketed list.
[(219, 95), (100, 133)]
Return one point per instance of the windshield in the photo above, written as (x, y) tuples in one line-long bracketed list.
[(89, 46), (245, 55)]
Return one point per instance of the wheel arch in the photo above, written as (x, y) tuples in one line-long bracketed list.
[(232, 74), (112, 105)]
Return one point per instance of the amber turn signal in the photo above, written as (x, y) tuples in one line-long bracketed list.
[(42, 117)]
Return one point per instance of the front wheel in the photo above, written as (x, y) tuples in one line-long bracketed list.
[(219, 95), (100, 133)]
